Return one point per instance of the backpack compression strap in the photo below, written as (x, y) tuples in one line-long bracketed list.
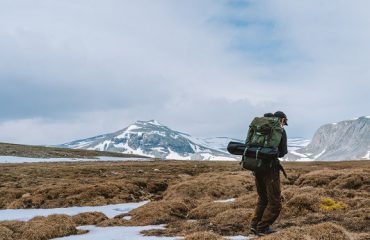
[(282, 169)]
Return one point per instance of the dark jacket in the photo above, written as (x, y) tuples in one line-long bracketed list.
[(283, 145)]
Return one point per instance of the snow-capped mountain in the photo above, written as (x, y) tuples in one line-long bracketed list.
[(150, 138), (346, 140), (297, 143)]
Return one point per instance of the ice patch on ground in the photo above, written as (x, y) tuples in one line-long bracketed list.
[(208, 156), (225, 200), (115, 233), (27, 214), (239, 237)]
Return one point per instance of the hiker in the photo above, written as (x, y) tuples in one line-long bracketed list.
[(268, 187)]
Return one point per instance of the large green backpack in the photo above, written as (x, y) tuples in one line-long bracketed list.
[(263, 139)]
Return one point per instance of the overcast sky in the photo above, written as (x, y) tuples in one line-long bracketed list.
[(78, 68)]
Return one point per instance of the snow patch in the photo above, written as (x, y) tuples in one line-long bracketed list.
[(208, 156), (239, 237), (27, 214), (304, 160), (159, 149), (298, 154), (102, 146), (318, 155), (154, 122), (367, 156), (175, 155), (114, 233), (225, 200)]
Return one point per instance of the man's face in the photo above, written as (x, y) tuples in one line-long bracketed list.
[(282, 122)]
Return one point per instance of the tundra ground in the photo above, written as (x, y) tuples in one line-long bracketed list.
[(322, 200)]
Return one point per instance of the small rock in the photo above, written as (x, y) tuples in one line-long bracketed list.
[(156, 170), (26, 195)]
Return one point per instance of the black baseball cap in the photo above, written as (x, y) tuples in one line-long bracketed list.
[(281, 114)]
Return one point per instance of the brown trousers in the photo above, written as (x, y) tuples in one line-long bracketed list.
[(269, 199)]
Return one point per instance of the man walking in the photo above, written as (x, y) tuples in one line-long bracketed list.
[(268, 187)]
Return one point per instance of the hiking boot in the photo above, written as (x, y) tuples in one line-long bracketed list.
[(265, 231)]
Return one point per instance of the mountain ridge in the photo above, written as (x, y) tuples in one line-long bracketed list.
[(344, 140), (150, 138)]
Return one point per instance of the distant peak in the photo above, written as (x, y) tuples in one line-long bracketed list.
[(152, 122)]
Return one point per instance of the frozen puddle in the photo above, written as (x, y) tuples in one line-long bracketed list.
[(12, 159), (115, 233), (109, 210)]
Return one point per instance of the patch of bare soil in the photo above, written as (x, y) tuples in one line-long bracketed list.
[(321, 200)]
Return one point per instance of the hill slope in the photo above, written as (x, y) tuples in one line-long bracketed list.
[(345, 140), (19, 150)]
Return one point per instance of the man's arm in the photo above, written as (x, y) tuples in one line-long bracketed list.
[(283, 146)]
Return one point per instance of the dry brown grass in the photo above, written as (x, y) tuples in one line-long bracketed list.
[(39, 228), (207, 210), (89, 218), (341, 179), (232, 221), (182, 196), (161, 212), (10, 149), (212, 186), (322, 231), (5, 233), (112, 222), (49, 185)]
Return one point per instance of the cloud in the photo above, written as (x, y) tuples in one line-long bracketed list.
[(89, 67)]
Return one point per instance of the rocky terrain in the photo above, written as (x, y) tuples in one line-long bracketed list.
[(345, 140), (195, 199)]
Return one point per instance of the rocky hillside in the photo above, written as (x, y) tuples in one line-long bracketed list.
[(346, 140)]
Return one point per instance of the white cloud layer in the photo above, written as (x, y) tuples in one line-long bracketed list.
[(73, 69)]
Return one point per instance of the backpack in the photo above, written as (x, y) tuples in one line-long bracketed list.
[(262, 143)]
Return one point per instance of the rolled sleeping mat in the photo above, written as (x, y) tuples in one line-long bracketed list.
[(238, 148)]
